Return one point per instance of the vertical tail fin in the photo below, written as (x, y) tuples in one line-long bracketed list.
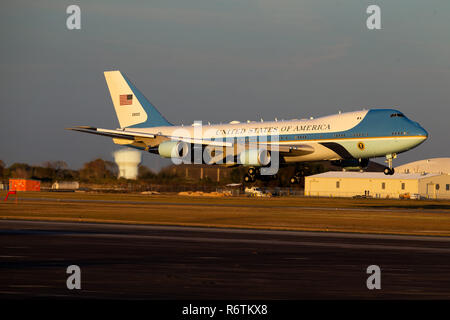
[(132, 107)]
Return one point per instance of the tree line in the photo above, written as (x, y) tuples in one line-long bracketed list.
[(97, 171), (51, 171), (101, 171)]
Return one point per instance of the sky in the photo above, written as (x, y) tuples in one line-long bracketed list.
[(216, 61)]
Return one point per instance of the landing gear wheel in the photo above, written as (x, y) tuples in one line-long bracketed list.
[(248, 178), (389, 170)]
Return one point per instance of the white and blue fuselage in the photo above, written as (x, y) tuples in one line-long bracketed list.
[(357, 135), (351, 135)]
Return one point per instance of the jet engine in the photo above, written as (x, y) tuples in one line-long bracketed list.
[(173, 149), (255, 157)]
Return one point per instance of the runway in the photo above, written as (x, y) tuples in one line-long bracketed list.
[(169, 262), (444, 209)]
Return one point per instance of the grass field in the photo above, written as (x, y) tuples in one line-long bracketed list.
[(287, 213)]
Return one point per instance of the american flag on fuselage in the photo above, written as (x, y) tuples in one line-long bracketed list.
[(126, 99)]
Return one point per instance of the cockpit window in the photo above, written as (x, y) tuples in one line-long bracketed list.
[(401, 115)]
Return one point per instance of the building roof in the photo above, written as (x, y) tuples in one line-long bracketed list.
[(373, 175), (435, 165)]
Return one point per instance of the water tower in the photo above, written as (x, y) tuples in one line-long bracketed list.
[(128, 161)]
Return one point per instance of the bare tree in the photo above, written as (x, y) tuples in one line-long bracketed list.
[(98, 169), (56, 165)]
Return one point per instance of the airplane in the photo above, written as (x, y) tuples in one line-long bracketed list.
[(347, 139)]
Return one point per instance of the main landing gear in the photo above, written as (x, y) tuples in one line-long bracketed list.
[(295, 179), (251, 175), (254, 173), (389, 170)]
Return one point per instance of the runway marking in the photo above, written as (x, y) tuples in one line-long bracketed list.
[(27, 286), (265, 242), (87, 225), (16, 247), (11, 292)]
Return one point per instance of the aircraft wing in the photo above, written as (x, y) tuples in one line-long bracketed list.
[(295, 149), (139, 136), (291, 150), (286, 150)]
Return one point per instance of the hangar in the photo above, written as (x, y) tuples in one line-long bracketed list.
[(435, 165), (378, 185)]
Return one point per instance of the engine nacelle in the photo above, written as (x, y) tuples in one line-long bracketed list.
[(213, 154), (255, 157), (351, 164), (173, 149)]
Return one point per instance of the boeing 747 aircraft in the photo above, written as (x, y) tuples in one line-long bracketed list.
[(347, 139)]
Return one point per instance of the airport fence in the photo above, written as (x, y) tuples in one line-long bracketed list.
[(176, 188), (368, 195)]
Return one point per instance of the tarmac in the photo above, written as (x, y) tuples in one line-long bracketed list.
[(171, 262)]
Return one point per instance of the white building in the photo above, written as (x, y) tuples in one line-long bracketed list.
[(128, 161), (66, 185), (436, 165), (378, 185)]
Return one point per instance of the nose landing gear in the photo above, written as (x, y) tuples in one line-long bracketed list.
[(389, 170)]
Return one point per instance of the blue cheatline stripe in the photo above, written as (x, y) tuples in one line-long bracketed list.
[(154, 118)]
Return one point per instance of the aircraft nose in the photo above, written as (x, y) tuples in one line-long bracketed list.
[(419, 130), (422, 132)]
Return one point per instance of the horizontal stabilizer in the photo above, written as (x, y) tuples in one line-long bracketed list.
[(112, 133)]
